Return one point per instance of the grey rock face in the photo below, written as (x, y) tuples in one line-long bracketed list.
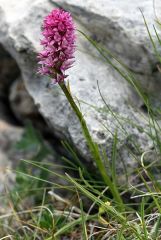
[(120, 27), (8, 156), (21, 102), (119, 30)]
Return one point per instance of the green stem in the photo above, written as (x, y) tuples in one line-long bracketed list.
[(92, 146)]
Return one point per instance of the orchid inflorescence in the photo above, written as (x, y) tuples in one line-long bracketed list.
[(58, 45)]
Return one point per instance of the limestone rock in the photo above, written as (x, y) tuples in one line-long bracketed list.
[(120, 27), (21, 102), (8, 156), (20, 33)]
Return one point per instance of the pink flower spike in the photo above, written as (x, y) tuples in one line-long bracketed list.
[(58, 45)]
